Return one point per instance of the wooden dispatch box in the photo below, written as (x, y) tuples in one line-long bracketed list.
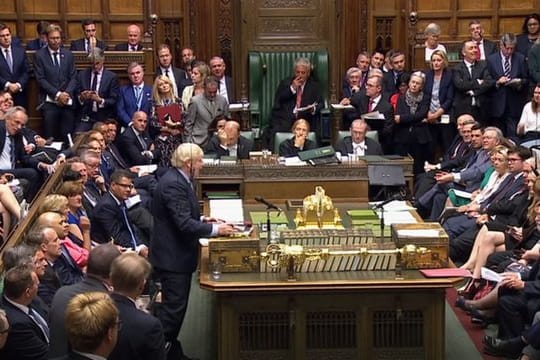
[(235, 255), (430, 236)]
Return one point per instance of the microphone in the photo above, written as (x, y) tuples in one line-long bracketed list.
[(268, 204), (397, 196)]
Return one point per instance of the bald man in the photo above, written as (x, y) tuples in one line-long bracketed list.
[(229, 142)]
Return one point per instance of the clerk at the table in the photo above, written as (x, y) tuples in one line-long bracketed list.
[(174, 250), (299, 142), (229, 142)]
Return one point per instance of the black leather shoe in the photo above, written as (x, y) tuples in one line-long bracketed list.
[(510, 348), (480, 318), (461, 303)]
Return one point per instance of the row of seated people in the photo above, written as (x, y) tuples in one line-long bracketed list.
[(495, 222), (86, 210)]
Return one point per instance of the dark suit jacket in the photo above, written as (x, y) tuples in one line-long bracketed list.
[(50, 79), (179, 78), (49, 283), (507, 98), (361, 104), (411, 128), (131, 148), (22, 160), (177, 224), (25, 340), (523, 44), (124, 47), (141, 337), (230, 89), (390, 86), (66, 268), (446, 88), (490, 47), (59, 344), (20, 73), (282, 116), (79, 45), (463, 82), (127, 103), (108, 90), (35, 44), (345, 146), (287, 148), (107, 221), (243, 149)]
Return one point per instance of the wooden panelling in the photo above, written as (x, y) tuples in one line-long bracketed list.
[(434, 5), (75, 31), (7, 8), (517, 4), (475, 5), (87, 8), (511, 25), (126, 7), (41, 7)]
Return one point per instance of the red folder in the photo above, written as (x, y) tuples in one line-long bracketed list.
[(445, 272), (171, 112)]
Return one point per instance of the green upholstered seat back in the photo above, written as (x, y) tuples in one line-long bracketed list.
[(267, 69), (247, 134), (279, 137)]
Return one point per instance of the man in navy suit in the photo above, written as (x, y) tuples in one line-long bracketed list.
[(472, 83), (93, 326), (98, 92), (14, 68), (135, 142), (141, 337), (391, 78), (110, 218), (134, 97), (225, 85), (41, 40), (509, 70), (89, 41), (54, 68), (134, 40), (178, 225), (96, 279), (177, 75), (29, 332)]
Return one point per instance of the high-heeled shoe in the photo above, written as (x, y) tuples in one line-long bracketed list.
[(470, 289), (461, 303)]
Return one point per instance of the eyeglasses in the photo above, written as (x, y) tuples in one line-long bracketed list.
[(125, 186)]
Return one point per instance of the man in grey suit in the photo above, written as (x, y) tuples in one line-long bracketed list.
[(202, 110), (358, 143)]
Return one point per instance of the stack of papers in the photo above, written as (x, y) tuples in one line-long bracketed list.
[(228, 210)]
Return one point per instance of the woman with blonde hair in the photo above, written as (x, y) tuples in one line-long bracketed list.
[(199, 72)]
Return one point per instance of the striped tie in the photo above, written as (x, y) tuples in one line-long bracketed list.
[(507, 66)]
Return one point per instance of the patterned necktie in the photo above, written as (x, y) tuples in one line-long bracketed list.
[(370, 105), (299, 97), (128, 225), (479, 53), (9, 60), (12, 151), (138, 97), (142, 141), (40, 322), (507, 66)]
